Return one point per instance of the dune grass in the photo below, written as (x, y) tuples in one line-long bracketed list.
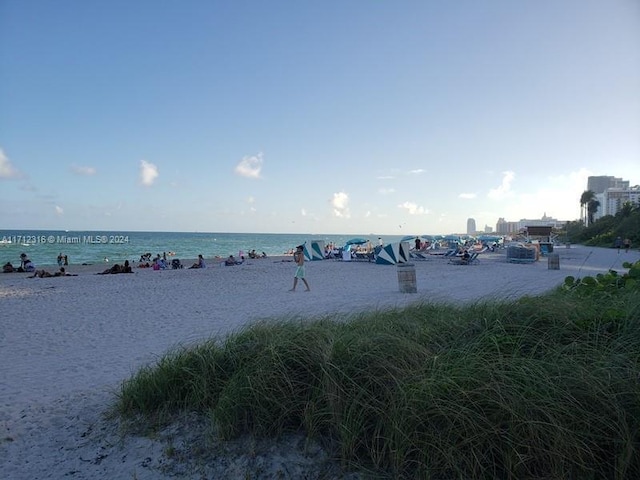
[(544, 387)]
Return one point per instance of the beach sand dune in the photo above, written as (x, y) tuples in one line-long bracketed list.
[(67, 343)]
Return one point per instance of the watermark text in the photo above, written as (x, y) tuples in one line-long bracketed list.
[(66, 239)]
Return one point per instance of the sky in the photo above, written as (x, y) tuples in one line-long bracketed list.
[(336, 117)]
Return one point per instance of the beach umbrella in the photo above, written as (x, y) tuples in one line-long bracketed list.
[(356, 241), (409, 237), (489, 238)]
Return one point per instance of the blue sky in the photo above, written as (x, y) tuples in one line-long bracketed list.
[(403, 117)]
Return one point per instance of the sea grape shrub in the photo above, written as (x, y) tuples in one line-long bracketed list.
[(610, 283)]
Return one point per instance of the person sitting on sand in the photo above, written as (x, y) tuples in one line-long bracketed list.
[(465, 256), (200, 263), (232, 261), (8, 268), (115, 269), (26, 265)]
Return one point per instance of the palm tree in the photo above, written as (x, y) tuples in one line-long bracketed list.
[(627, 208), (592, 208), (586, 197)]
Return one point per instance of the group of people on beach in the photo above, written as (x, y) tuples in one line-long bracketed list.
[(62, 260), (26, 265), (45, 274), (117, 268), (619, 243)]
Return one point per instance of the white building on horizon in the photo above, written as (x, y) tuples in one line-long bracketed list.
[(613, 199), (505, 228)]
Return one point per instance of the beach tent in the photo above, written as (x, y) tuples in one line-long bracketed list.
[(404, 252), (393, 253), (314, 250)]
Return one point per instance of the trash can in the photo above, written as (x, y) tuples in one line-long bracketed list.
[(554, 261), (407, 278)]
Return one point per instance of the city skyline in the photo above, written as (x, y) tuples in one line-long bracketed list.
[(293, 117)]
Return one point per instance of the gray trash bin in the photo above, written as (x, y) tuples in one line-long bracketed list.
[(407, 278)]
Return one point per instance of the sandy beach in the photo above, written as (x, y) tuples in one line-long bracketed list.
[(66, 344)]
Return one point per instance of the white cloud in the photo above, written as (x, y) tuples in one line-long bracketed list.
[(250, 167), (59, 210), (7, 170), (558, 197), (386, 191), (504, 190), (340, 204), (417, 171), (467, 196), (413, 209), (148, 173), (81, 170)]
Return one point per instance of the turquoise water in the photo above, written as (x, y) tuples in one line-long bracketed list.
[(44, 246)]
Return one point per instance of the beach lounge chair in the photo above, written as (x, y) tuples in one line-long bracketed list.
[(364, 256), (419, 255), (461, 261)]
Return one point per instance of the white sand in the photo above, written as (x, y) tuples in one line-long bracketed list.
[(66, 344)]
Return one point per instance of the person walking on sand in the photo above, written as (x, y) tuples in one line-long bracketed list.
[(298, 257)]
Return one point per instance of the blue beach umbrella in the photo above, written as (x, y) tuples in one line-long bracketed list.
[(356, 241), (409, 237), (489, 238)]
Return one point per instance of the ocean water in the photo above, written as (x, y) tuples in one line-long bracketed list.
[(92, 247)]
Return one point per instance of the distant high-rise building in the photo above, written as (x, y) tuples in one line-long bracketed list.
[(612, 193), (600, 183), (503, 227), (471, 226), (613, 199)]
